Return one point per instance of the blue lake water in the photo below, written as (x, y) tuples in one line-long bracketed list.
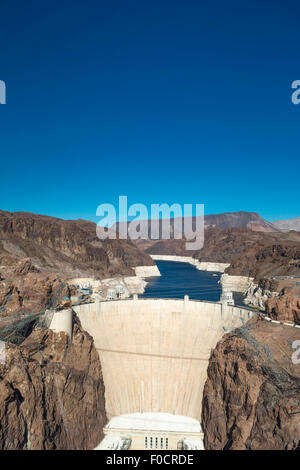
[(179, 279)]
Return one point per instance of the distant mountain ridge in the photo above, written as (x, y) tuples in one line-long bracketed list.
[(227, 220), (289, 224), (69, 247), (38, 254), (241, 219), (249, 253)]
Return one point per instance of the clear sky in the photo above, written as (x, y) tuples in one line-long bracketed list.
[(162, 101)]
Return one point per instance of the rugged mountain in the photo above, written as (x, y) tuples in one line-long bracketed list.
[(251, 253), (252, 394), (70, 247), (289, 224), (220, 245), (244, 220), (52, 392), (39, 253), (250, 220)]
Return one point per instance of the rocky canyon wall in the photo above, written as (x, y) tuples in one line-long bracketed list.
[(52, 392), (251, 397), (285, 306)]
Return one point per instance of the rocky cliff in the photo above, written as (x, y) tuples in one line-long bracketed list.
[(250, 253), (39, 253), (279, 298), (69, 247), (252, 394), (285, 306), (253, 254), (257, 295), (31, 293), (51, 392)]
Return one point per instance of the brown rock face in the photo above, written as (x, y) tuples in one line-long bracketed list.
[(34, 248), (31, 293), (286, 307), (70, 247), (250, 253), (52, 393), (227, 220), (252, 394), (254, 254)]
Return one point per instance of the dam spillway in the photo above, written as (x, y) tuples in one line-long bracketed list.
[(154, 352)]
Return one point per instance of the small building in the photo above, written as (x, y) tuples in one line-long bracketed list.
[(111, 294), (152, 431)]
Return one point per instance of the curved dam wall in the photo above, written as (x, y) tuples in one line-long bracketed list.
[(154, 352)]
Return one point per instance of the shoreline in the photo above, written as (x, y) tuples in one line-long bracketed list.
[(200, 265), (126, 285)]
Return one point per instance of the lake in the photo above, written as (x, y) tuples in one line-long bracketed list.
[(180, 279)]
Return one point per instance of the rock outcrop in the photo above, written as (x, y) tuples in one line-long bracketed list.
[(257, 296), (250, 253), (70, 247), (253, 254), (252, 394), (31, 293), (52, 392), (285, 306), (38, 254)]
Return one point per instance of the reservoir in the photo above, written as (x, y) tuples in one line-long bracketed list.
[(179, 279)]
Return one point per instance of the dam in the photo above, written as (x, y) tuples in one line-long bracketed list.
[(154, 355)]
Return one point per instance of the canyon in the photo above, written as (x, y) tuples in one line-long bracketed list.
[(220, 365), (251, 397), (39, 254), (228, 368), (52, 392), (262, 265)]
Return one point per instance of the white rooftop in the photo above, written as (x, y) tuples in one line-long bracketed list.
[(114, 443), (155, 422)]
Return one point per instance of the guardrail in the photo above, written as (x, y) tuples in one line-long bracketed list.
[(260, 313)]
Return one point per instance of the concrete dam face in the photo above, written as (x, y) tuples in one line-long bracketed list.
[(155, 352)]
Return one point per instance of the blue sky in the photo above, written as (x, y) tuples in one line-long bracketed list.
[(162, 101)]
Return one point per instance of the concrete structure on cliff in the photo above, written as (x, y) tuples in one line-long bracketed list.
[(227, 296), (154, 355)]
